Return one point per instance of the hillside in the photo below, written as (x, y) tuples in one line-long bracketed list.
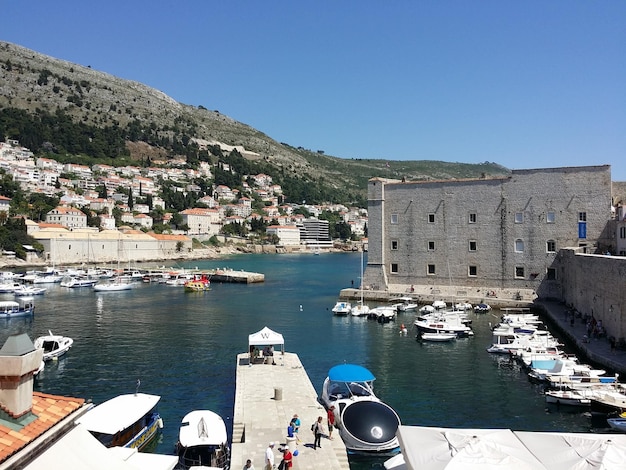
[(149, 125)]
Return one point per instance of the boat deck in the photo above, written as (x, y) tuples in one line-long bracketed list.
[(266, 398)]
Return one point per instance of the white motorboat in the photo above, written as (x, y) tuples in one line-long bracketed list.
[(565, 367), (383, 313), (366, 424), (342, 308), (54, 346), (405, 304), (443, 322), (202, 441), (568, 397), (128, 420), (463, 306), (10, 308), (28, 291), (6, 287), (439, 337), (114, 285), (74, 282), (439, 305), (507, 342)]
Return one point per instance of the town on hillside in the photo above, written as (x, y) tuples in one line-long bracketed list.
[(104, 198)]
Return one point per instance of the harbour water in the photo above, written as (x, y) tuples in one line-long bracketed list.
[(182, 346)]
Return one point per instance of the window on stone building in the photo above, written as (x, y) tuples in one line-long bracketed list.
[(551, 274), (431, 269), (582, 217), (550, 217), (431, 246), (519, 217), (472, 271), (472, 218), (69, 247), (394, 219), (431, 218), (472, 245), (519, 245), (394, 268), (519, 272), (551, 246), (622, 232), (394, 244)]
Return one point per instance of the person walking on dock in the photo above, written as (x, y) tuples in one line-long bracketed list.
[(318, 430), (269, 456)]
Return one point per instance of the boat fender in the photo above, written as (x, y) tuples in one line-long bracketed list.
[(160, 423)]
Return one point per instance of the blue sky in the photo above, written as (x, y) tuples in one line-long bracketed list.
[(528, 84)]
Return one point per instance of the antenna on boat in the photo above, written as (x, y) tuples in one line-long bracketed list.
[(138, 384)]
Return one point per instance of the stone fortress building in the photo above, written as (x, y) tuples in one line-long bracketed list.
[(491, 233)]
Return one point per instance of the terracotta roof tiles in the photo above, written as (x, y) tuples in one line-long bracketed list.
[(49, 410)]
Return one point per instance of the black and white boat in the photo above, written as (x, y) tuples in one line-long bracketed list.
[(202, 441), (366, 424)]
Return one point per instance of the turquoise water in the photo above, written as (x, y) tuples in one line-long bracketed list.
[(183, 346)]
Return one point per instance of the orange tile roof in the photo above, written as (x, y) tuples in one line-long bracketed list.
[(49, 410)]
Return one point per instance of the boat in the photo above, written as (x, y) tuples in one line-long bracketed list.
[(618, 423), (54, 346), (129, 420), (405, 304), (196, 286), (7, 287), (482, 308), (342, 308), (443, 322), (438, 336), (76, 282), (28, 291), (114, 285), (383, 313), (366, 424), (568, 397), (11, 308), (202, 441), (463, 306), (360, 309)]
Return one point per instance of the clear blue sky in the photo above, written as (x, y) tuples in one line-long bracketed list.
[(527, 84)]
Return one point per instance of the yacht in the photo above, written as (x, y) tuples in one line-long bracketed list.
[(202, 441), (366, 424)]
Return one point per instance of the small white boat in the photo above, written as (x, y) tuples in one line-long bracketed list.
[(568, 397), (54, 346), (463, 306), (124, 421), (7, 287), (202, 441), (112, 286), (439, 304), (360, 310), (405, 304), (28, 291), (342, 308), (438, 336), (383, 313), (426, 309), (79, 281)]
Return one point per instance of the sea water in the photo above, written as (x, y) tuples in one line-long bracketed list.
[(183, 346)]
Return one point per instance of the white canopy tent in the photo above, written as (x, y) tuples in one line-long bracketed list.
[(266, 337)]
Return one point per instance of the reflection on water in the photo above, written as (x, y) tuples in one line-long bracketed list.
[(183, 347)]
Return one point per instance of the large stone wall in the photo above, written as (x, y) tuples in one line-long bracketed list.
[(465, 232), (594, 285)]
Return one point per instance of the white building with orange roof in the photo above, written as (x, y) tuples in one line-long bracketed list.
[(69, 217), (202, 221)]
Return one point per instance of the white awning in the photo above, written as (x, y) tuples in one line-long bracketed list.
[(79, 449)]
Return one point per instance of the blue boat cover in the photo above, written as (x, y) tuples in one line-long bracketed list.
[(350, 373)]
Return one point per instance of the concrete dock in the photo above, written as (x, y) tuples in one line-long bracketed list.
[(266, 398)]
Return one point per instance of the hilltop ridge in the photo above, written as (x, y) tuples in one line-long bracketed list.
[(38, 84)]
